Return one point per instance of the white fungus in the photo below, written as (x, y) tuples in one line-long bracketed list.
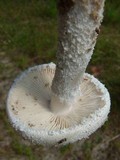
[(59, 104), (28, 108)]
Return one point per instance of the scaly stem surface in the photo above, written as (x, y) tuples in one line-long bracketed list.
[(79, 22)]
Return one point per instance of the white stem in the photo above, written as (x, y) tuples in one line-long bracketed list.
[(79, 22)]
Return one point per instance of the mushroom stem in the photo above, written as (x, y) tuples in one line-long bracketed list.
[(79, 22)]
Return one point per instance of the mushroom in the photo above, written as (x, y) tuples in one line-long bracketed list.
[(60, 104)]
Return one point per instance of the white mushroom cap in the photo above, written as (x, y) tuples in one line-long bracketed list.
[(28, 108)]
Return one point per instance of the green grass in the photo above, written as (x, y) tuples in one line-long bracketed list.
[(16, 146), (21, 149), (112, 12), (87, 147), (28, 28), (107, 56)]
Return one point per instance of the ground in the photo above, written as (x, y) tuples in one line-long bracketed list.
[(28, 36)]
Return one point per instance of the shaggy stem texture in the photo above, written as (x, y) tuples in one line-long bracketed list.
[(79, 22)]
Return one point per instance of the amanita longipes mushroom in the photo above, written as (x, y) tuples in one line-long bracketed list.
[(59, 104)]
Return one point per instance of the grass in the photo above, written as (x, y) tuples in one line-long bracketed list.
[(21, 149), (107, 56), (28, 28), (16, 146), (28, 36), (112, 14)]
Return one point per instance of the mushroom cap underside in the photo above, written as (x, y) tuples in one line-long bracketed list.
[(28, 108)]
